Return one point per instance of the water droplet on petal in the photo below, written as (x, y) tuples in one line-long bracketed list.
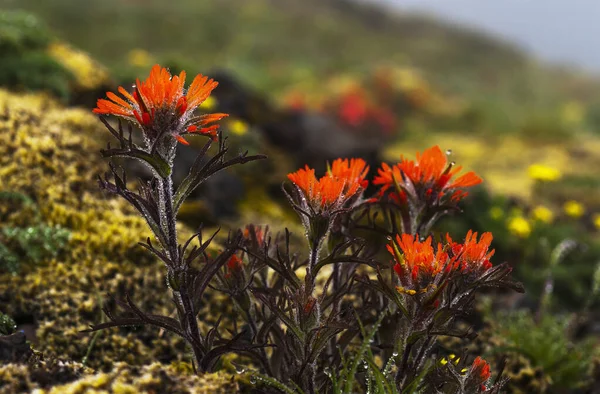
[(448, 152)]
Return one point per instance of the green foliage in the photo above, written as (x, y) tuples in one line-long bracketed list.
[(35, 71), (581, 188), (530, 256), (30, 244), (25, 62), (7, 325), (21, 32), (547, 344)]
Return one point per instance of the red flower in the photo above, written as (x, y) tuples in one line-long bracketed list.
[(345, 180), (258, 232), (416, 262), (160, 103), (480, 372), (354, 172), (235, 264), (473, 255), (354, 108), (430, 175)]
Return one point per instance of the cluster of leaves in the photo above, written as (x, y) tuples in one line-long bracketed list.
[(31, 243), (25, 62), (559, 346), (547, 344)]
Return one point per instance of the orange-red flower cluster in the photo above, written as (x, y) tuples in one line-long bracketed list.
[(355, 110), (473, 255), (345, 179), (160, 104), (480, 371), (258, 232), (418, 262), (415, 258), (235, 264), (430, 176)]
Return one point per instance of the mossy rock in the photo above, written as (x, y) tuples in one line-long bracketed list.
[(90, 78), (33, 59), (49, 153), (66, 377)]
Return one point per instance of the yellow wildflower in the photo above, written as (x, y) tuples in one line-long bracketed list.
[(209, 104), (573, 209), (496, 213), (597, 220), (238, 126), (519, 226), (139, 58), (542, 214), (540, 172)]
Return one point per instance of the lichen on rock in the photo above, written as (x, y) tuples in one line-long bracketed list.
[(49, 153)]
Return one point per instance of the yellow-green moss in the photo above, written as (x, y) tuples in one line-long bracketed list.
[(51, 154), (89, 74), (122, 379)]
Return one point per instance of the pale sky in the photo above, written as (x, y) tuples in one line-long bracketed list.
[(563, 31)]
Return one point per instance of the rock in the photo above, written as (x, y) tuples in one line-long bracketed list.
[(14, 348)]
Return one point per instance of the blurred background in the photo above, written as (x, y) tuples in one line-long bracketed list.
[(510, 87)]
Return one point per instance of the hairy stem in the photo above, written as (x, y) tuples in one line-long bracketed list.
[(402, 369), (189, 323)]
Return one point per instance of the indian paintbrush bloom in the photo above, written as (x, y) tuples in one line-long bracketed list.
[(472, 255), (164, 112), (341, 183), (319, 201), (160, 105), (234, 264), (428, 179), (418, 263), (479, 373)]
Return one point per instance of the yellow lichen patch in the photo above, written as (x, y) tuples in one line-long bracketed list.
[(88, 73), (51, 155), (121, 379)]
